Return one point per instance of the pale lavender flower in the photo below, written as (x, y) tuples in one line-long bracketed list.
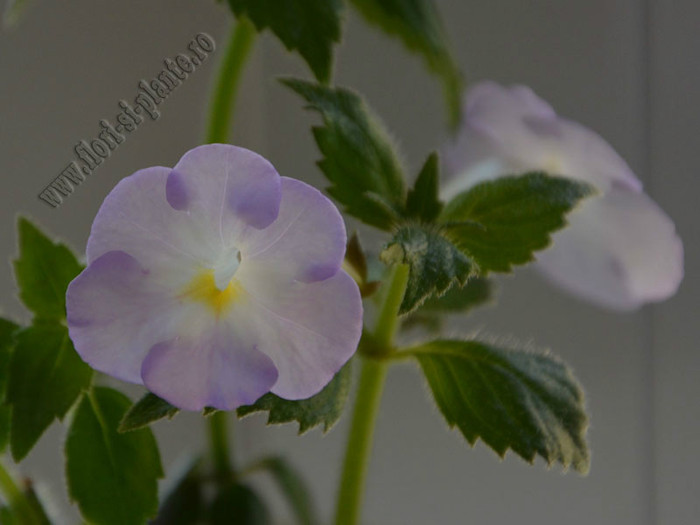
[(620, 250), (215, 282)]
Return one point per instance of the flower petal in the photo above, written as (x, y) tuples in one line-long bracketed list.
[(230, 184), (115, 314), (220, 368), (309, 330), (136, 218), (509, 131), (620, 251), (307, 241)]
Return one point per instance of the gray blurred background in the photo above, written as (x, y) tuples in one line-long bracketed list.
[(629, 69)]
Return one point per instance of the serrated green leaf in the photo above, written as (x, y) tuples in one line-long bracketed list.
[(293, 487), (149, 409), (434, 263), (501, 223), (325, 408), (238, 504), (112, 476), (510, 399), (423, 202), (359, 158), (184, 503), (43, 271), (46, 378), (311, 27), (417, 23)]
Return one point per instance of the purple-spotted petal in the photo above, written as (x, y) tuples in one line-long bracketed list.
[(230, 184), (220, 368), (620, 251), (510, 130), (136, 218), (307, 241), (115, 313), (309, 330)]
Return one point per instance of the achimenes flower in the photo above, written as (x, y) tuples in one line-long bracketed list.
[(620, 250), (215, 282)]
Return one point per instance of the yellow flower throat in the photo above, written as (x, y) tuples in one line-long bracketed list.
[(203, 289)]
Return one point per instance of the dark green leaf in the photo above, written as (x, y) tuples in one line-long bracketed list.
[(476, 292), (422, 202), (7, 517), (417, 23), (528, 402), (293, 487), (310, 27), (359, 158), (43, 271), (435, 263), (7, 343), (324, 408), (502, 223), (112, 476), (240, 505), (41, 518), (184, 503), (5, 417), (46, 378), (149, 409)]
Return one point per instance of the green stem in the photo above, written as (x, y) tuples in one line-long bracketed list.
[(369, 393), (219, 444), (16, 499), (223, 98)]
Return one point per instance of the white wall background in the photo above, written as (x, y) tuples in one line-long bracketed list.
[(629, 69)]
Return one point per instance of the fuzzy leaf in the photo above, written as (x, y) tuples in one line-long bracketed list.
[(434, 263), (46, 378), (149, 409), (358, 156), (113, 477), (43, 271), (510, 399), (417, 23), (422, 202), (325, 408), (311, 27), (501, 223)]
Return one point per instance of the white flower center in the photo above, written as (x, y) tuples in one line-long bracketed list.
[(225, 267)]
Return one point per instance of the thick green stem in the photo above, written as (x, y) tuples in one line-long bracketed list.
[(16, 499), (224, 96), (219, 445), (369, 394)]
